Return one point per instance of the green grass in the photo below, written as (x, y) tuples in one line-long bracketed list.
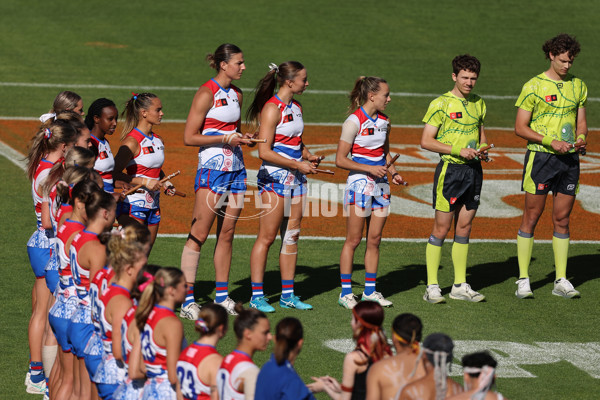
[(411, 44), (492, 270)]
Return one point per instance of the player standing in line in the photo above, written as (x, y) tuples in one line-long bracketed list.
[(142, 154), (236, 378), (213, 124), (47, 147), (64, 101), (387, 377), (161, 333), (551, 117), (454, 129), (199, 362), (366, 136), (101, 119), (281, 175)]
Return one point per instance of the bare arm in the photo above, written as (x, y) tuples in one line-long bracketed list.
[(116, 309), (373, 389), (95, 257), (269, 118), (523, 130), (130, 147), (46, 221), (429, 142), (171, 332), (137, 369)]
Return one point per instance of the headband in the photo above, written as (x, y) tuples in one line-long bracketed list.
[(363, 322), (413, 344)]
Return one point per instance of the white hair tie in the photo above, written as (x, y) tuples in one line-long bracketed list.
[(47, 116), (273, 66)]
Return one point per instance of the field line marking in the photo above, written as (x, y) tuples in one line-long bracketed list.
[(13, 156), (389, 239), (194, 88)]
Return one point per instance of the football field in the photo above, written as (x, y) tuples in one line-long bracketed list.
[(547, 347)]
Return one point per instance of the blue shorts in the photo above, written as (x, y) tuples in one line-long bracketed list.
[(59, 318), (146, 216), (365, 201), (282, 190), (80, 329), (106, 390), (93, 353), (220, 182), (39, 250), (52, 275)]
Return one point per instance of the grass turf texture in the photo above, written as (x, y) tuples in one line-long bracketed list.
[(137, 45), (401, 278)]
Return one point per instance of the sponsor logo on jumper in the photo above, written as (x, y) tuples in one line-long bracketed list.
[(103, 155), (551, 97), (367, 132), (221, 103), (148, 150), (288, 118), (455, 115)]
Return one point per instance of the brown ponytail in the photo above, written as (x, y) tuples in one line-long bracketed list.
[(155, 292), (362, 87), (289, 333), (137, 103)]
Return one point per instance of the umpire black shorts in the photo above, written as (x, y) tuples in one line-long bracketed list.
[(457, 184), (545, 172)]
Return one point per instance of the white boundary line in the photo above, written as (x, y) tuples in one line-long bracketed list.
[(17, 158), (194, 88)]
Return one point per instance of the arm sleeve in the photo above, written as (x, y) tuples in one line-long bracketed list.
[(349, 131)]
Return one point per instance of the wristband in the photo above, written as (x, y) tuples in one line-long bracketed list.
[(482, 145), (346, 389), (582, 137), (455, 150), (394, 174), (547, 141)]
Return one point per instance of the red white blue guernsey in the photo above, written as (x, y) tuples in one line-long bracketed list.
[(146, 164), (81, 276), (64, 233), (228, 376), (192, 387), (105, 162), (155, 356), (105, 326), (287, 143), (41, 173), (222, 119), (98, 287), (126, 345), (368, 148)]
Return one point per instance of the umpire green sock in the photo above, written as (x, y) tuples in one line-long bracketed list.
[(524, 248), (433, 255), (560, 245)]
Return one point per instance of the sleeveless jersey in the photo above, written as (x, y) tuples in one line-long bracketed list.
[(458, 121), (64, 233), (99, 286), (105, 326), (146, 164), (81, 276), (126, 345), (222, 119), (228, 376), (553, 106), (155, 356), (192, 387), (368, 148), (41, 173), (105, 162), (287, 143)]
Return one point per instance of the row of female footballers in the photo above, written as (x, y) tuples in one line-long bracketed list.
[(214, 125)]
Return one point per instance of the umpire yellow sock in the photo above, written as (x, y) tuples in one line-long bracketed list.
[(560, 245), (460, 250), (433, 254), (524, 248)]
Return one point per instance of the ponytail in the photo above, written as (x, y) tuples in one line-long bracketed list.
[(289, 333), (65, 101), (125, 246), (362, 87), (265, 89), (50, 135), (137, 102), (75, 157), (211, 317), (155, 292)]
